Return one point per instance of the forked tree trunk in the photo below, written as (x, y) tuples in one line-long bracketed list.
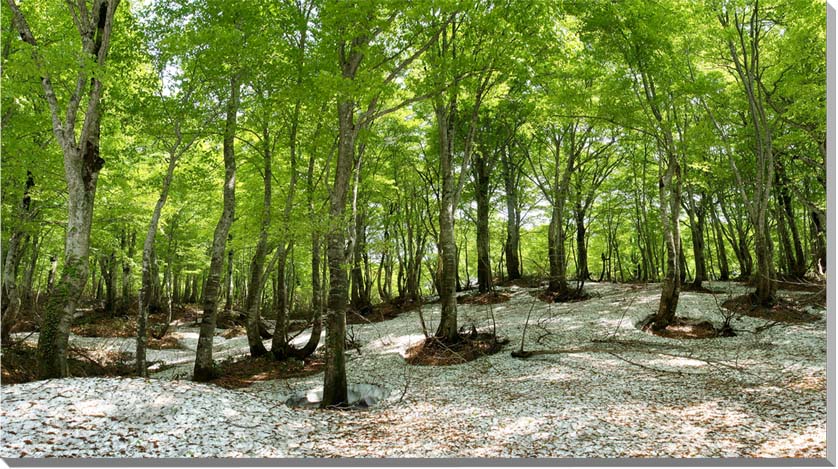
[(204, 370), (670, 195), (258, 273)]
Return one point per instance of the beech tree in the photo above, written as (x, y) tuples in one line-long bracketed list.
[(82, 163)]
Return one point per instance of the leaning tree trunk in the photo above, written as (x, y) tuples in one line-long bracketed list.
[(724, 269), (147, 280), (257, 264), (203, 358), (316, 287), (316, 303)]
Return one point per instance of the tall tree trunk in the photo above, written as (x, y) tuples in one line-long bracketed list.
[(82, 164), (724, 269), (29, 276), (129, 250), (146, 280), (513, 216), (14, 252), (109, 275), (697, 212), (481, 190), (279, 343), (582, 272), (203, 358), (228, 282), (819, 234), (257, 264), (447, 330), (670, 203), (798, 267), (743, 34), (335, 384)]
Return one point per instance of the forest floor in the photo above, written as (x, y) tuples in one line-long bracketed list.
[(605, 389)]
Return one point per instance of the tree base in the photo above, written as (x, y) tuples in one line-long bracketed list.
[(435, 351)]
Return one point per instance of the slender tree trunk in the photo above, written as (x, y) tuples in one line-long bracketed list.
[(257, 264), (798, 267), (582, 272), (129, 249), (29, 275), (146, 281), (279, 344), (14, 252), (203, 358), (724, 269), (228, 283), (513, 216)]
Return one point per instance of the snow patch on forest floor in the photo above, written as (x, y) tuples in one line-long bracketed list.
[(634, 395)]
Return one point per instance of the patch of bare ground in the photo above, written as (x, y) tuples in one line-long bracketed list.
[(691, 287), (383, 311), (571, 296), (783, 310), (488, 298), (523, 282), (167, 342), (100, 324), (242, 372), (686, 328), (468, 347), (795, 284), (19, 363)]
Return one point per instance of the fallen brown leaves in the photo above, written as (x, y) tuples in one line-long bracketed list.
[(685, 328), (434, 352), (19, 363), (784, 310), (243, 372), (488, 298)]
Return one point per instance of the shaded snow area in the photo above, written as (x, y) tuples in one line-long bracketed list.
[(112, 417), (611, 391)]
